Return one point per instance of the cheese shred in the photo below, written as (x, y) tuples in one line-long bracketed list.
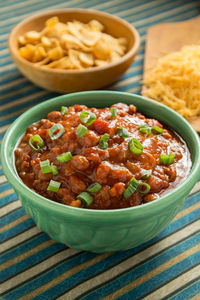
[(175, 81)]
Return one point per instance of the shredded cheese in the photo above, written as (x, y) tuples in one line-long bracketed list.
[(175, 81)]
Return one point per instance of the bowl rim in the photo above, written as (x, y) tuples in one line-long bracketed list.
[(131, 52), (17, 183)]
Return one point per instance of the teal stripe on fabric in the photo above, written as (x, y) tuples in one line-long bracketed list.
[(57, 290), (15, 88), (7, 72), (112, 260), (12, 77), (23, 247), (165, 18), (60, 4), (164, 277), (188, 292), (21, 95), (32, 260), (8, 199), (12, 216), (1, 137), (29, 244), (19, 228), (5, 186), (171, 274), (60, 269), (150, 265), (113, 10), (27, 104)]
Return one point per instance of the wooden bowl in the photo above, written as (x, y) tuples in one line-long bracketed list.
[(75, 80)]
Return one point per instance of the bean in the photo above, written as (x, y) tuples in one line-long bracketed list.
[(76, 184), (80, 162)]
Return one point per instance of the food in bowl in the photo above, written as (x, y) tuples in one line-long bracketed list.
[(174, 81), (71, 45), (104, 230), (107, 158)]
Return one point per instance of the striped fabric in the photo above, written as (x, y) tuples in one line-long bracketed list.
[(35, 267)]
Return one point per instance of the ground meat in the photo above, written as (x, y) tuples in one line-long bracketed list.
[(80, 162), (110, 166), (77, 185)]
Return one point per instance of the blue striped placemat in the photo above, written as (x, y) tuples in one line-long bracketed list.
[(35, 267)]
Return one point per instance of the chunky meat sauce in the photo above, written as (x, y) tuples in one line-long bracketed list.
[(112, 165)]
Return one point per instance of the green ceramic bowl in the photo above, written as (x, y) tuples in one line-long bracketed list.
[(100, 230)]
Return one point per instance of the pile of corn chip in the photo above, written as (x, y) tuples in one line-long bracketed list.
[(71, 45)]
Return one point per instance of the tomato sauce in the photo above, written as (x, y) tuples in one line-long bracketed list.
[(158, 161)]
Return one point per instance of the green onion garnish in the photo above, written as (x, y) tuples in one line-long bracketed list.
[(64, 110), (171, 158), (85, 198), (94, 187), (53, 186), (157, 129), (87, 117), (103, 141), (64, 157), (146, 174), (143, 188), (167, 159), (113, 111), (81, 130), (36, 143), (123, 132), (45, 166), (144, 128), (56, 131), (54, 169), (135, 146), (133, 184)]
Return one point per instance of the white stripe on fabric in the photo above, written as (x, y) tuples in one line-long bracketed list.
[(132, 261), (136, 23), (33, 271), (51, 7), (2, 178), (175, 284), (10, 207), (19, 238)]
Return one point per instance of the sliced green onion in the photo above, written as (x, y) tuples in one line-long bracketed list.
[(143, 188), (167, 159), (133, 184), (87, 117), (144, 128), (123, 132), (53, 186), (56, 131), (45, 166), (113, 111), (85, 198), (146, 174), (81, 130), (54, 169), (36, 142), (64, 157), (135, 146), (157, 129), (171, 158), (64, 110), (94, 187), (103, 141)]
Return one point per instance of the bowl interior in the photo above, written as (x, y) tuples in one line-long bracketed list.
[(113, 25)]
